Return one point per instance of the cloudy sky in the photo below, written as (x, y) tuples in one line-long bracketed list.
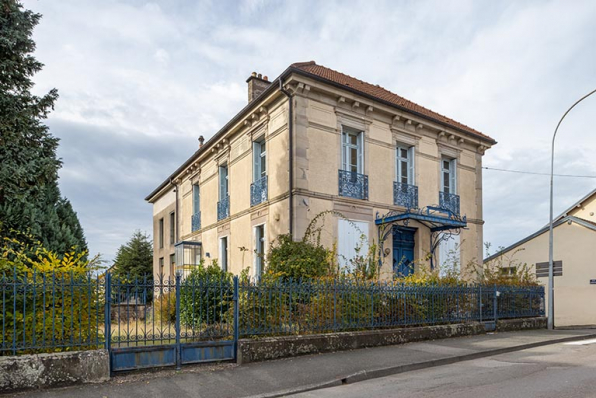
[(139, 81)]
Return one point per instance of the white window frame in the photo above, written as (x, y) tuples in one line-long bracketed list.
[(224, 255), (410, 160), (256, 272), (346, 147), (259, 159), (452, 172), (224, 187)]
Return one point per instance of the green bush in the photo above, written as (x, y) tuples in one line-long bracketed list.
[(297, 259), (206, 295)]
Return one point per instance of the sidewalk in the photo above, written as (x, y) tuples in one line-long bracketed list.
[(277, 378)]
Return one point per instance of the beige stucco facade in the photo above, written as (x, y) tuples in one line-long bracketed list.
[(575, 245), (319, 113)]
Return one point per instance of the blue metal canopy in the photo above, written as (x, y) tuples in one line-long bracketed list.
[(435, 218)]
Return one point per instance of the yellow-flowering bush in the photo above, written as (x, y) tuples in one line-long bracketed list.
[(50, 302)]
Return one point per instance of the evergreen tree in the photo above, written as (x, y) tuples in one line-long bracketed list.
[(30, 199), (135, 258)]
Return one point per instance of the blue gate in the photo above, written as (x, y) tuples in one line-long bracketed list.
[(170, 322)]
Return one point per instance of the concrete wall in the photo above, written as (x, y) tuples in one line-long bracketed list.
[(162, 209), (574, 295), (53, 370), (288, 346)]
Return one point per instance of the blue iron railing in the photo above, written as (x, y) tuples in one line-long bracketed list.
[(223, 208), (196, 221), (449, 201), (58, 312), (405, 195), (302, 307), (353, 185), (258, 191)]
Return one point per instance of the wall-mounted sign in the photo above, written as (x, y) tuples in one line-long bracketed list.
[(542, 269), (592, 281)]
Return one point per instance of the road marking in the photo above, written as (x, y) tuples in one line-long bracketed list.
[(582, 342)]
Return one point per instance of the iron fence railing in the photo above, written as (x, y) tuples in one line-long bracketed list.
[(449, 201), (352, 184), (196, 221), (258, 191), (301, 307), (62, 311), (56, 311), (223, 208), (405, 195)]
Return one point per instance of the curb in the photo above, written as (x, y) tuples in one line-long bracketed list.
[(392, 370)]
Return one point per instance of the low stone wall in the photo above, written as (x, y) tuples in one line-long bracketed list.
[(254, 350), (51, 370)]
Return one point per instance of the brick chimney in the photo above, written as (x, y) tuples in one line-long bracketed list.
[(257, 83)]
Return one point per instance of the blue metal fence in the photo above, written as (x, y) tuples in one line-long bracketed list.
[(56, 311), (199, 319), (302, 307)]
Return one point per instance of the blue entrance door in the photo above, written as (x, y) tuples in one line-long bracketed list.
[(403, 251)]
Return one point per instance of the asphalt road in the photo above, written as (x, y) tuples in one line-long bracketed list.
[(565, 370)]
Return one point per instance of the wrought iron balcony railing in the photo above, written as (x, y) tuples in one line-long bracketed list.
[(353, 185), (449, 201), (223, 208), (196, 221), (258, 191), (405, 195)]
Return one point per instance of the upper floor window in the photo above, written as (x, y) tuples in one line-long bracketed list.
[(405, 165), (172, 228), (352, 150), (259, 160), (223, 182), (448, 175), (161, 233), (196, 199)]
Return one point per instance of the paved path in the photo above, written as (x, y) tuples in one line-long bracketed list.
[(276, 377), (553, 371)]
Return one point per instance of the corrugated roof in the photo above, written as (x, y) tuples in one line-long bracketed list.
[(380, 93)]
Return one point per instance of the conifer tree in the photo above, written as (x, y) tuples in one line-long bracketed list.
[(30, 199)]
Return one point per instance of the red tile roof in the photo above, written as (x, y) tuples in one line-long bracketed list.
[(382, 94)]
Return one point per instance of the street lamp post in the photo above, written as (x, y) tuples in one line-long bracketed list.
[(551, 289)]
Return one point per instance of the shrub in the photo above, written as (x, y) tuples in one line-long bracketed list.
[(165, 307), (297, 259), (57, 301), (206, 295)]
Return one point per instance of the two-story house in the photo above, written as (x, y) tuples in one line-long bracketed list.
[(315, 140)]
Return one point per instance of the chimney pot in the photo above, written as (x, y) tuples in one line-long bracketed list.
[(265, 78), (259, 76), (201, 140), (254, 74)]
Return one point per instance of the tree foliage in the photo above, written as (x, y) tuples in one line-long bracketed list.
[(30, 199), (135, 258)]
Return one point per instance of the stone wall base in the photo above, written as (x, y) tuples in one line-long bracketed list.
[(50, 370), (254, 350)]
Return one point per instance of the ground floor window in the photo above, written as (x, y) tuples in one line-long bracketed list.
[(259, 250), (223, 253), (449, 255), (352, 241)]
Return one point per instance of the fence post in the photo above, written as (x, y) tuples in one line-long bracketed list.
[(495, 303), (178, 350), (236, 316), (480, 301), (107, 311), (372, 305)]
